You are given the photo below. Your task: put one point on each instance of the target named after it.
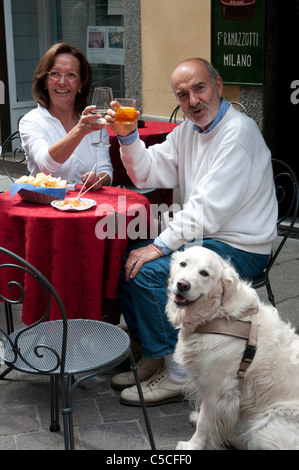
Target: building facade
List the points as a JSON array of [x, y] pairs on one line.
[[133, 46]]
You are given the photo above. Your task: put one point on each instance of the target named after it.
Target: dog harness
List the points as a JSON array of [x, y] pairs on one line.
[[240, 329]]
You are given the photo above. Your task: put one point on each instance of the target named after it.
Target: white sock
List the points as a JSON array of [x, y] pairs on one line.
[[175, 371]]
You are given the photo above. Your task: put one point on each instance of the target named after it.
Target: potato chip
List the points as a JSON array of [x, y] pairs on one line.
[[42, 180]]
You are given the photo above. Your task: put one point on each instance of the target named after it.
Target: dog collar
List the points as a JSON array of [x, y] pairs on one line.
[[240, 329]]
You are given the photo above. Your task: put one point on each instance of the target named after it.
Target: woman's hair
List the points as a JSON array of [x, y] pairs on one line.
[[39, 91]]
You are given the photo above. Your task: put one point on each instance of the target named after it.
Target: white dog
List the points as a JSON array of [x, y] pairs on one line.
[[259, 411]]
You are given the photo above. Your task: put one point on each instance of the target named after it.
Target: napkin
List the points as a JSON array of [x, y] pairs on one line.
[[57, 192]]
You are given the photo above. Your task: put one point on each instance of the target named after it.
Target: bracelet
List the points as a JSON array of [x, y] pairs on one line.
[[158, 249]]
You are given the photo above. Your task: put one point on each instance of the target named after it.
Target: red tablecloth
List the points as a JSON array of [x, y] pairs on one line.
[[153, 132], [67, 247]]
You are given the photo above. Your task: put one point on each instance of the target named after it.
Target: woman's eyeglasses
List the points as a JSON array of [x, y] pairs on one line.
[[70, 76]]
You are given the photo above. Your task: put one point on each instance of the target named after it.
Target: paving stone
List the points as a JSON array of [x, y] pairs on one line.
[[114, 436], [18, 420], [100, 421]]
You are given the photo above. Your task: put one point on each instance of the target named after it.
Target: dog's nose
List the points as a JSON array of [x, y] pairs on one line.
[[183, 285]]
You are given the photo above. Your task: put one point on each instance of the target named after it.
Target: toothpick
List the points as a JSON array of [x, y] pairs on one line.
[[86, 181], [100, 179]]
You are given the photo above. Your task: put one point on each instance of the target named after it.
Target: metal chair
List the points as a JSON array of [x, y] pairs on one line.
[[61, 348], [13, 155], [174, 114], [240, 107], [287, 193]]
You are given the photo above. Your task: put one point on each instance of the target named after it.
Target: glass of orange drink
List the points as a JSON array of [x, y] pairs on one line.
[[126, 113]]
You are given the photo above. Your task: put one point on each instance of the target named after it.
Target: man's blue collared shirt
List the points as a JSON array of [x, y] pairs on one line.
[[221, 113]]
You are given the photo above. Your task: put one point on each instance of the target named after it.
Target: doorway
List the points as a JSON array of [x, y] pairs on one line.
[[287, 88], [27, 33]]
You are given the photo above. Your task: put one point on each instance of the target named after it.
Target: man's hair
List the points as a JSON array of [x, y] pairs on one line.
[[211, 69]]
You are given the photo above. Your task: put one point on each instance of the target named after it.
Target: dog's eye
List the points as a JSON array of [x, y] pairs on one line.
[[183, 264], [204, 273]]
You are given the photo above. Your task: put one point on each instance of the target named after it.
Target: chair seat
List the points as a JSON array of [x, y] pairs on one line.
[[91, 345]]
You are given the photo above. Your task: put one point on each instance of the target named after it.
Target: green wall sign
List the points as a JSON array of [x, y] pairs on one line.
[[238, 40]]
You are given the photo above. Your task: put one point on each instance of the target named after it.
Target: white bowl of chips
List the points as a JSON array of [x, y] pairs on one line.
[[42, 189]]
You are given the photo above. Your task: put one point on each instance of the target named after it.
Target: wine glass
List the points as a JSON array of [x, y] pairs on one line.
[[102, 97]]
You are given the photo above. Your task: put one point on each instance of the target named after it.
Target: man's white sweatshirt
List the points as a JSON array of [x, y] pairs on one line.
[[225, 179]]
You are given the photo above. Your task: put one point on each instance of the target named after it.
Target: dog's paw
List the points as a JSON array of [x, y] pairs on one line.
[[193, 416], [187, 445]]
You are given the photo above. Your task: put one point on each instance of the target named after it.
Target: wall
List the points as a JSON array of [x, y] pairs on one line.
[[132, 49], [171, 31]]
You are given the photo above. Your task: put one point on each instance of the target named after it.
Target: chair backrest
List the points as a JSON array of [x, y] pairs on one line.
[[240, 107], [13, 156], [17, 282], [287, 193], [174, 114]]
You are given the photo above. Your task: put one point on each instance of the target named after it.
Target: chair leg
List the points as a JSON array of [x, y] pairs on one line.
[[9, 329], [67, 413], [9, 318], [7, 370], [71, 381], [54, 426], [144, 409], [270, 293]]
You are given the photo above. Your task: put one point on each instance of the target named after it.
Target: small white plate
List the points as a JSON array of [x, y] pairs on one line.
[[62, 205]]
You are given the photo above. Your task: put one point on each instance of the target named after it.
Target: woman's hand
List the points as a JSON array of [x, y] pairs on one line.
[[119, 128], [88, 122], [93, 178]]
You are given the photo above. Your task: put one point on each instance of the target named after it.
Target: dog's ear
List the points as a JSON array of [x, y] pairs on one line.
[[173, 261], [229, 281], [173, 258]]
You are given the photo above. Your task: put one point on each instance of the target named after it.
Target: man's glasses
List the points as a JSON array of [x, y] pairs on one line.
[[70, 76]]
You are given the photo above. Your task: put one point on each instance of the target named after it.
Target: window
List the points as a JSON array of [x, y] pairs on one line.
[[26, 45], [103, 20]]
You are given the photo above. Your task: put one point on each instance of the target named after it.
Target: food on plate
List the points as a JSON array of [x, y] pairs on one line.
[[73, 201], [42, 180]]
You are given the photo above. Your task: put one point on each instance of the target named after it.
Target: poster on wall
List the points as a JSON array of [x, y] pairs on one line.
[[115, 45], [238, 40], [105, 45], [96, 44]]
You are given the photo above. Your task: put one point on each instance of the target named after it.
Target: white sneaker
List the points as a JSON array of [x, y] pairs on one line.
[[122, 323], [159, 389], [147, 366]]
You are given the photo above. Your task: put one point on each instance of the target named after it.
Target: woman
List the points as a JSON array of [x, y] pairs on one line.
[[57, 135]]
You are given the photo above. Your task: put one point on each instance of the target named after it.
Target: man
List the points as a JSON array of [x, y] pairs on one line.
[[220, 162]]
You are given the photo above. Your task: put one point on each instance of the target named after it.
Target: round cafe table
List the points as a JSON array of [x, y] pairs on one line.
[[80, 253]]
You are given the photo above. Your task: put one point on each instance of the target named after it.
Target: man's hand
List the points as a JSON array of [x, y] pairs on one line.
[[119, 128], [138, 257]]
